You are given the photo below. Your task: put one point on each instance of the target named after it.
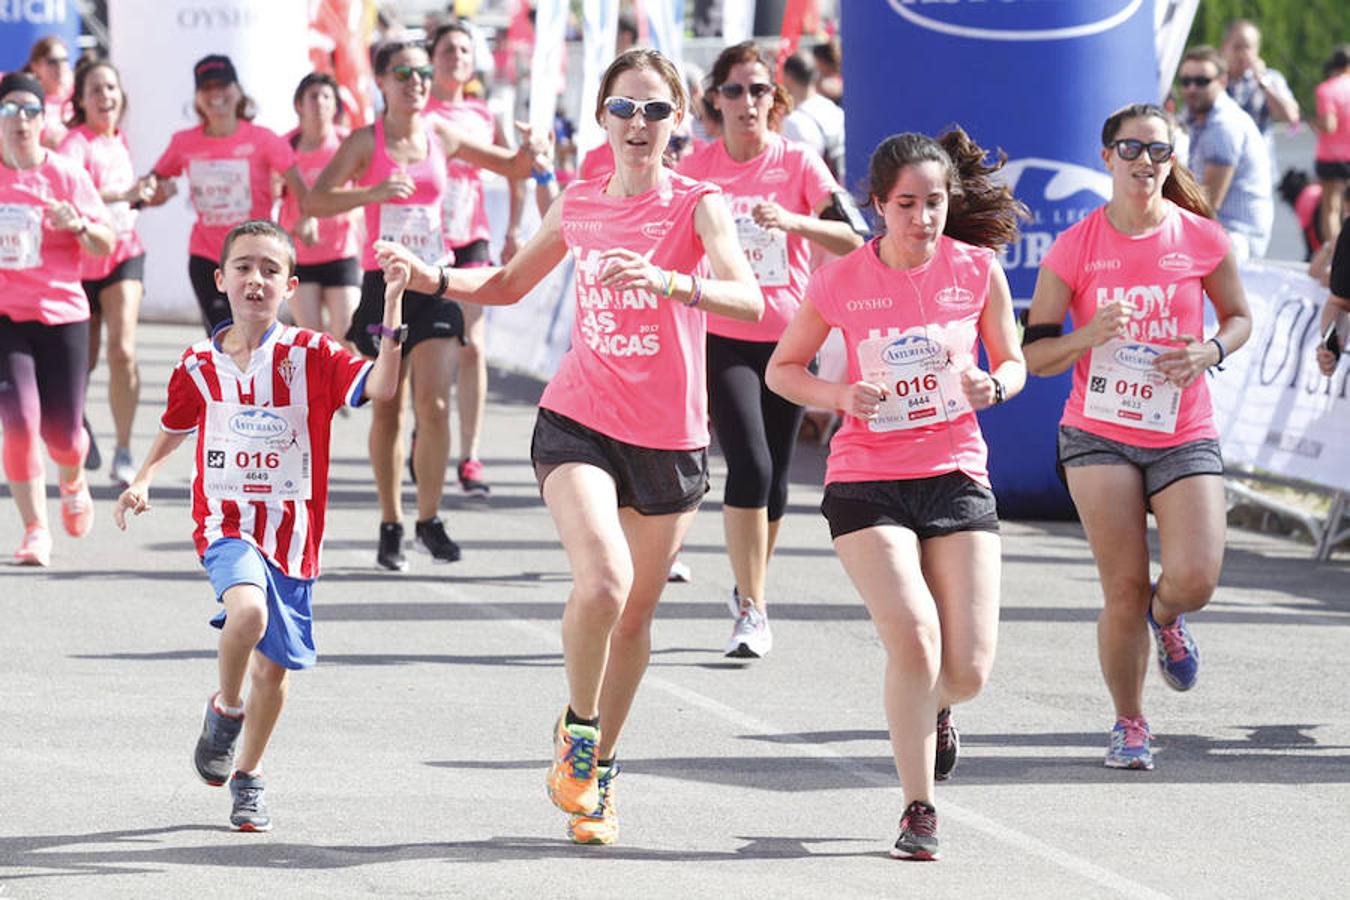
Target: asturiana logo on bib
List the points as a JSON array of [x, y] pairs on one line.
[[909, 350], [1176, 262], [953, 296], [1016, 20], [257, 424], [1139, 357]]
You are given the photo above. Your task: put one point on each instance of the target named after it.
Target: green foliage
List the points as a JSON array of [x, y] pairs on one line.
[[1297, 36]]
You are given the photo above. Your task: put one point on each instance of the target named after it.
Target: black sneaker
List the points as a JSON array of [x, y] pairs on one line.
[[214, 756], [918, 833], [390, 555], [93, 460], [948, 745], [250, 811], [431, 535]]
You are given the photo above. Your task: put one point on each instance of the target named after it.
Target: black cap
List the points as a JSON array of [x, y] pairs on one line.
[[22, 81], [214, 68]]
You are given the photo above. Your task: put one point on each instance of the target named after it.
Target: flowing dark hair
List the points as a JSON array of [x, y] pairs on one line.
[[1180, 187], [79, 115], [981, 209], [745, 52]]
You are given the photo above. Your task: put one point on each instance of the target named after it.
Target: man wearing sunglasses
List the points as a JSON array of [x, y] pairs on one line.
[[1228, 153]]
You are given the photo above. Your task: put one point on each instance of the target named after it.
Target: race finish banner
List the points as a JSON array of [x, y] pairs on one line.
[[1028, 77], [1274, 410]]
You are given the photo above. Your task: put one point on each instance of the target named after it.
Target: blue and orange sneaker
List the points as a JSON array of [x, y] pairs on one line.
[[1130, 744], [600, 825], [1178, 657], [572, 779]]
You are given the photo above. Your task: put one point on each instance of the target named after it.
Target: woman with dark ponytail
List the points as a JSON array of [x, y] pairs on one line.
[[1138, 433], [907, 489]]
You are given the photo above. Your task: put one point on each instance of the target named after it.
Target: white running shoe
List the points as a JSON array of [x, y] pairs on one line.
[[680, 573], [751, 637], [123, 470]]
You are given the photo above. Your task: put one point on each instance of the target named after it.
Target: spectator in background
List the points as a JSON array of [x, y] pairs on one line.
[[1333, 139], [49, 63], [627, 34], [831, 78], [1261, 91], [814, 120], [1228, 154], [1336, 307]]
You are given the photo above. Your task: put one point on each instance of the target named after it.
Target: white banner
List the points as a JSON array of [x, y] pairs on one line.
[[1273, 408], [1171, 27], [665, 25], [546, 65], [738, 21], [155, 45], [601, 28]]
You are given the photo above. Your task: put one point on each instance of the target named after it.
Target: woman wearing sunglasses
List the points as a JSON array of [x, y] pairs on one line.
[[49, 63], [397, 169], [50, 214], [1137, 434], [114, 283], [907, 493], [620, 445], [230, 165], [777, 191]]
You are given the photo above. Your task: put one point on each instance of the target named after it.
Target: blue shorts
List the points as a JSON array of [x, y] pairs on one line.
[[288, 640]]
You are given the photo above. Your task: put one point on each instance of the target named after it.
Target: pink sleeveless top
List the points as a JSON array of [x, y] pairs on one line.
[[337, 234], [636, 370], [463, 213], [414, 222]]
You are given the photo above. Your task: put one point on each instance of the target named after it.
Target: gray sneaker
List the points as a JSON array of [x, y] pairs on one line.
[[214, 756], [250, 810]]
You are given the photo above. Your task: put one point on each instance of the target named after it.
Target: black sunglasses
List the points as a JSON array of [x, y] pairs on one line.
[[731, 90], [1158, 151], [1196, 80], [626, 108], [403, 73]]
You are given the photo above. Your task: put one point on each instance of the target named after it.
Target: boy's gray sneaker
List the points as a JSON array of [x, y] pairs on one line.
[[214, 756], [250, 811]]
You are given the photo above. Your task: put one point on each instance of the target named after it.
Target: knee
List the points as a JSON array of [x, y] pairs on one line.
[[963, 681], [915, 651], [1190, 585], [246, 617], [1126, 594], [121, 354], [266, 675], [432, 407], [600, 597]]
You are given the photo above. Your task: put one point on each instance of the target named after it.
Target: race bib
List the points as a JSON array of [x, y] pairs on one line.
[[416, 227], [922, 386], [20, 236], [1125, 388], [221, 192], [256, 452], [457, 208], [766, 248]]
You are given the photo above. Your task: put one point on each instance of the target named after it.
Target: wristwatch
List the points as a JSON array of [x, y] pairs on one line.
[[381, 330], [1000, 392]]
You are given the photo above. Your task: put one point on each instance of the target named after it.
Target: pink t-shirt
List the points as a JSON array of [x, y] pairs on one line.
[[791, 175], [598, 162], [337, 234], [40, 266], [229, 179], [914, 330], [1160, 274], [1334, 95], [636, 370], [107, 159], [414, 222], [463, 212]]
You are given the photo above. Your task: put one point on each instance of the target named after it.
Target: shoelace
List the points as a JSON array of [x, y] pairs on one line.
[[944, 730], [471, 470], [249, 799], [603, 783], [1174, 641], [74, 500], [918, 820], [580, 756], [1134, 732]]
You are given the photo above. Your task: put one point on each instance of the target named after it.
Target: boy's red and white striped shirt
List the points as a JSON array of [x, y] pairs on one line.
[[293, 366]]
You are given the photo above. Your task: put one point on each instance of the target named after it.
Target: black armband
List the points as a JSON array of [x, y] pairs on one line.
[[1034, 333], [843, 209]]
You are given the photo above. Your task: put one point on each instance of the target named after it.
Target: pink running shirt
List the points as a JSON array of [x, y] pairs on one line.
[[229, 179], [598, 162], [637, 369], [463, 212], [107, 159], [1160, 274], [416, 221], [914, 330], [40, 266], [791, 175], [1334, 94], [337, 234]]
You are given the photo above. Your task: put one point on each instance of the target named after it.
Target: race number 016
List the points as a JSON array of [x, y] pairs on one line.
[[257, 460], [917, 385], [1134, 389]]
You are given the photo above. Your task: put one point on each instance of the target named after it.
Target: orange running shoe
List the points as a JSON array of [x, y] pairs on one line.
[[600, 825], [36, 549], [572, 782], [77, 508]]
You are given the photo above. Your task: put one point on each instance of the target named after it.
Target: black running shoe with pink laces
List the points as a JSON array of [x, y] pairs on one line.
[[918, 833]]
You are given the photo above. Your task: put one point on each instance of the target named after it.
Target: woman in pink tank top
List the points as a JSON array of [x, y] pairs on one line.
[[620, 445], [325, 249], [1137, 433], [114, 283], [906, 488], [397, 172]]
